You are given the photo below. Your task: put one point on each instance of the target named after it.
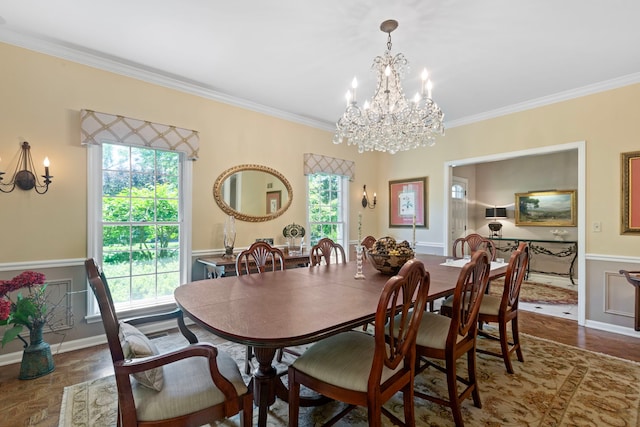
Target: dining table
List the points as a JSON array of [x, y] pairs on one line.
[[297, 306]]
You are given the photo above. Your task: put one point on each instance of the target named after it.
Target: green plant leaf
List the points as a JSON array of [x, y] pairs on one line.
[[11, 334]]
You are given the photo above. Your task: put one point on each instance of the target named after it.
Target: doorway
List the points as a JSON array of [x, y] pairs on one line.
[[581, 195]]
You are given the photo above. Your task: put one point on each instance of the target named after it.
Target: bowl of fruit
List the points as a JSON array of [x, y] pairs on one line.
[[388, 256]]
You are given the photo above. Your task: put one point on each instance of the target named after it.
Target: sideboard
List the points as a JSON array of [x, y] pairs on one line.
[[218, 266], [557, 257]]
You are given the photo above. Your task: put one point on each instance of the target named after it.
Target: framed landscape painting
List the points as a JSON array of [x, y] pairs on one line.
[[630, 202], [408, 203], [546, 208]]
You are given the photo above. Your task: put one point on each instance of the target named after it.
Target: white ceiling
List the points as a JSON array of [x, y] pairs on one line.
[[296, 59]]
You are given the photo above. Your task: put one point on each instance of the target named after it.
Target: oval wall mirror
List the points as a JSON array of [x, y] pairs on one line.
[[252, 193]]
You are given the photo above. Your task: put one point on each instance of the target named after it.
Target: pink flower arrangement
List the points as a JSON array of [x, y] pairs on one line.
[[29, 310]]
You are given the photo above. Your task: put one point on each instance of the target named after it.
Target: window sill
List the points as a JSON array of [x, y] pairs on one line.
[[134, 312]]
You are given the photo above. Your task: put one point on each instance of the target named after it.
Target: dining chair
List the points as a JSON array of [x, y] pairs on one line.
[[327, 251], [502, 309], [367, 370], [368, 242], [261, 257], [471, 243], [449, 338], [191, 386]]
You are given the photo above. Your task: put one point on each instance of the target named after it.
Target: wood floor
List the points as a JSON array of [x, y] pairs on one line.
[[37, 402]]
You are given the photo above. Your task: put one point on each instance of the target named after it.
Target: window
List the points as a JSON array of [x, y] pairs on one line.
[[138, 236], [327, 208]]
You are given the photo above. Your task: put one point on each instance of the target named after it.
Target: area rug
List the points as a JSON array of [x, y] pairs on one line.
[[540, 293], [557, 385]]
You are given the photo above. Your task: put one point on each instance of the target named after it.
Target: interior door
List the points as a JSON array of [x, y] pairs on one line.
[[459, 207]]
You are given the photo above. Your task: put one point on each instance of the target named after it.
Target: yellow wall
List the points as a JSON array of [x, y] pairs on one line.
[[42, 99]]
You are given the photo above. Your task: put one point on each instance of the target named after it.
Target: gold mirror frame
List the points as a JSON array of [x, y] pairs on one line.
[[217, 193]]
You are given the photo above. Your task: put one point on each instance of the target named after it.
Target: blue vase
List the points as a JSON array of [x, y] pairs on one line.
[[36, 358]]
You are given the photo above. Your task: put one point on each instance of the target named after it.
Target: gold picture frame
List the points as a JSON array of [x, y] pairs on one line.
[[630, 197], [556, 208]]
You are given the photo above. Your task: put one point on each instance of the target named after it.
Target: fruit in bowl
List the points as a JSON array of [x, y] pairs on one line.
[[388, 256]]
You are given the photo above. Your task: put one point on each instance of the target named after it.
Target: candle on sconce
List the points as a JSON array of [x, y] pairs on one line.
[[46, 166]]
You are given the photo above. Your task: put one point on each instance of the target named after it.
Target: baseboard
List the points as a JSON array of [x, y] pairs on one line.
[[622, 330]]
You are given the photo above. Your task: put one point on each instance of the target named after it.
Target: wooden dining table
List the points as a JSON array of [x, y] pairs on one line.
[[293, 307]]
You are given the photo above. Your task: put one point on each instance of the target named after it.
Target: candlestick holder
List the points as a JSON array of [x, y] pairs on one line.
[[359, 275]]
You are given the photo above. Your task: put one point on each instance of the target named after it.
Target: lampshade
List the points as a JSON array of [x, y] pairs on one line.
[[495, 213]]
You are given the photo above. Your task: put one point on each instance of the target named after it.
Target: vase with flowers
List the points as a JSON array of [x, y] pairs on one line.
[[31, 311]]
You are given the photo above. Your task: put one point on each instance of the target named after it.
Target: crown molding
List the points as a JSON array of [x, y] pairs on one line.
[[137, 71], [548, 100]]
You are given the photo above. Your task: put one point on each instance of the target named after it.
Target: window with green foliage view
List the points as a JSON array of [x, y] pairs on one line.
[[326, 214], [140, 223]]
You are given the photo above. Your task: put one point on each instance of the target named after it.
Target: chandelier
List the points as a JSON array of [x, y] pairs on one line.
[[390, 122]]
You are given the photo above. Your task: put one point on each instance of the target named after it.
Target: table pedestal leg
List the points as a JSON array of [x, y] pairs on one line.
[[265, 378]]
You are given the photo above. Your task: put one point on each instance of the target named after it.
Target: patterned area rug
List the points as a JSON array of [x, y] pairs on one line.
[[536, 292], [557, 385]]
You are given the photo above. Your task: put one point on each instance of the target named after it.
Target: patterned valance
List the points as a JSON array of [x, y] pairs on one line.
[[316, 163], [97, 128]]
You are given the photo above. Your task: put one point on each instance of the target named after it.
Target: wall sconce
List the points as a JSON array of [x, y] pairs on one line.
[[365, 199], [25, 178], [495, 226]]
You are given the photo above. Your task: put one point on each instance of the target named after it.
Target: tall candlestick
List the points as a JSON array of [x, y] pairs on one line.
[[414, 232], [359, 228]]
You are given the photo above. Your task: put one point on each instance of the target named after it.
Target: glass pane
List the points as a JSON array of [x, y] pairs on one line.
[[115, 183], [116, 209], [143, 287], [116, 238], [143, 238], [144, 184], [167, 163], [143, 210], [144, 262], [167, 210], [167, 283], [115, 157], [167, 187], [120, 289], [169, 260], [143, 159], [168, 237]]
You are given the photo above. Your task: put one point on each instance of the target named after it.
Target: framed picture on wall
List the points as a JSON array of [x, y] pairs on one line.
[[630, 203], [408, 203], [274, 200], [546, 208]]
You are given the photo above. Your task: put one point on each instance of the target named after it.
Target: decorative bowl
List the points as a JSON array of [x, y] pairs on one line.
[[388, 264]]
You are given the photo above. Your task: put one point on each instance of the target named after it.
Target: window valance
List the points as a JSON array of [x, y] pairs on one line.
[[317, 163], [97, 128]]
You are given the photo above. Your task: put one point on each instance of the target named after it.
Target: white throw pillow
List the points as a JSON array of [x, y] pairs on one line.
[[135, 344]]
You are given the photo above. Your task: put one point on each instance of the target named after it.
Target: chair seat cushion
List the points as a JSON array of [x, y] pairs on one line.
[[433, 331], [188, 387], [135, 344], [343, 360], [490, 304]]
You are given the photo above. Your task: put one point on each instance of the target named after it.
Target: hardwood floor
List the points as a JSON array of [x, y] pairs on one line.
[[37, 402]]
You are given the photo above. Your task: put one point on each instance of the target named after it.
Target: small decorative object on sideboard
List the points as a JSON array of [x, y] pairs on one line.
[[294, 233], [30, 310], [559, 234], [229, 236], [388, 256]]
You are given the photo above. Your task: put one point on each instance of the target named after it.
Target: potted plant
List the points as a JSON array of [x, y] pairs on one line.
[[31, 311]]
